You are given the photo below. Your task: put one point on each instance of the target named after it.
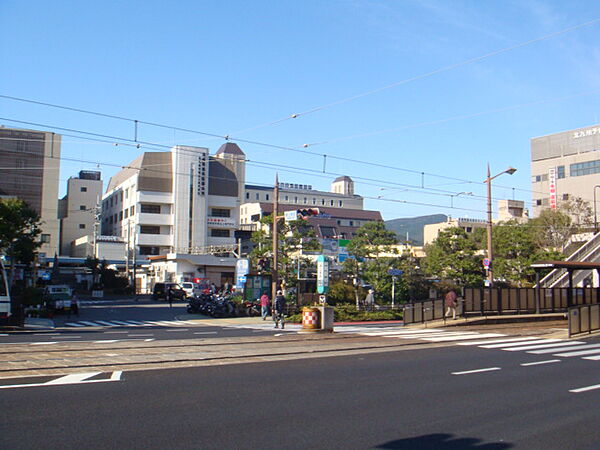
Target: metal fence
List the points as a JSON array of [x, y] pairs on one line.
[[497, 301], [584, 319]]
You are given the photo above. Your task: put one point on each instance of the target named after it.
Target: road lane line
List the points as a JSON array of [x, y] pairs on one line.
[[116, 376], [496, 341], [139, 335], [119, 322], [91, 324], [106, 341], [537, 363], [209, 332], [116, 332], [74, 324], [555, 345], [134, 322], [489, 369], [575, 347], [149, 340], [179, 329], [40, 334], [67, 337], [584, 389], [517, 344], [43, 343]]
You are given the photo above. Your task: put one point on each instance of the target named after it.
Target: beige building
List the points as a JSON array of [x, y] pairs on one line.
[[341, 195], [77, 210], [563, 166], [31, 164]]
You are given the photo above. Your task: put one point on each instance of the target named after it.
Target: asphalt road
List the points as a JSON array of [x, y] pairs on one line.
[[155, 320], [418, 399]]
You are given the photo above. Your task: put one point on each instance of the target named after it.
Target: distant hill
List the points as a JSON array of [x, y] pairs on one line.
[[413, 226]]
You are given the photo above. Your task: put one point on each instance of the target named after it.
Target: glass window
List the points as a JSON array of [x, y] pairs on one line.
[[149, 229], [81, 226], [83, 189], [257, 196], [82, 207], [45, 238], [585, 168], [560, 172], [220, 212], [267, 197], [149, 209], [131, 210], [247, 195], [216, 232], [125, 213], [120, 215]]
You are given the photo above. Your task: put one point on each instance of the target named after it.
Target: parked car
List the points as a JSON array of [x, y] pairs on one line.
[[191, 289], [159, 292], [57, 297]]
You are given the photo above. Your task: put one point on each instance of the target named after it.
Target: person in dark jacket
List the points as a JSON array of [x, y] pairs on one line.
[[278, 310]]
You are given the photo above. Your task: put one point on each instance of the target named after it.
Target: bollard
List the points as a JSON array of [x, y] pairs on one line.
[[311, 319]]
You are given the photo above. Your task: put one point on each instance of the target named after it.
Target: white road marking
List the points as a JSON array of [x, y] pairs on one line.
[[584, 389], [41, 334], [148, 340], [67, 337], [179, 329], [537, 363], [43, 343], [517, 344], [578, 353], [463, 337], [489, 369], [556, 345], [134, 322], [118, 322], [116, 332], [105, 341], [496, 341], [103, 322], [74, 324], [91, 324], [209, 332], [75, 378], [139, 335], [575, 347], [279, 334]]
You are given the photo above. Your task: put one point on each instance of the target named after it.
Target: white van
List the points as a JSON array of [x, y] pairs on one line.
[[5, 304], [58, 296]]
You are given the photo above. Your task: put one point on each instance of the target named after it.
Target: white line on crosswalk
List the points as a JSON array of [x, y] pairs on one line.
[[584, 389], [106, 341], [495, 341], [134, 322], [42, 343], [106, 323], [578, 353], [91, 324], [463, 337], [556, 345], [564, 349], [74, 324], [516, 344]]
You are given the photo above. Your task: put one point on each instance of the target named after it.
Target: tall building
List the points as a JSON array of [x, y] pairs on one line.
[[31, 163], [78, 208], [565, 165], [176, 203]]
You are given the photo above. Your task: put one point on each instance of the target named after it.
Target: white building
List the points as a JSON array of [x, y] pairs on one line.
[[180, 202], [78, 208]]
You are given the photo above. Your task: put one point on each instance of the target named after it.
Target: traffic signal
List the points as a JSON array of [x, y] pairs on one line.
[[307, 212]]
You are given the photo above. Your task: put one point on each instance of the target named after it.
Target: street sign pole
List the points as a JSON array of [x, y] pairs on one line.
[[322, 275], [393, 291]]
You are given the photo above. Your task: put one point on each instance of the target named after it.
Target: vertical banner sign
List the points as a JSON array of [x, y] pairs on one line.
[[552, 187], [242, 268], [322, 274]]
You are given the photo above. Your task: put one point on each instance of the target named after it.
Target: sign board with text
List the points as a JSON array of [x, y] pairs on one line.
[[322, 274]]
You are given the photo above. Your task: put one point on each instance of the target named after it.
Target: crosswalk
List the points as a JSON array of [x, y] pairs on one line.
[[534, 345], [129, 323]]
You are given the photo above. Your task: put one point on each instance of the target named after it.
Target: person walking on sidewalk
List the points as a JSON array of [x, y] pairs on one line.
[[279, 308], [451, 304], [264, 305]]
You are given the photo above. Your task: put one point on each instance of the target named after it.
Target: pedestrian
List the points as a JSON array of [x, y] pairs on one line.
[[170, 296], [279, 309], [264, 305], [450, 301], [74, 304], [370, 300]]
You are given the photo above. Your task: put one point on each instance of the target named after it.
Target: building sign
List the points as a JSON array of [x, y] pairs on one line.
[[220, 222], [552, 187], [588, 132], [242, 268]]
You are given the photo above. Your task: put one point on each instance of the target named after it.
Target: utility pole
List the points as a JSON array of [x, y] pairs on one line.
[[275, 239], [134, 259]]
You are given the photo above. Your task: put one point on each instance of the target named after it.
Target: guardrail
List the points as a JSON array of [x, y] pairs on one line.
[[584, 319], [423, 311]]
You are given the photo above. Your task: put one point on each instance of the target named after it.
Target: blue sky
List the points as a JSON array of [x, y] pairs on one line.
[[233, 68]]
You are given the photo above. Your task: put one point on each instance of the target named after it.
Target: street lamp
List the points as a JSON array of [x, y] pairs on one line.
[[595, 215], [488, 180], [456, 195]]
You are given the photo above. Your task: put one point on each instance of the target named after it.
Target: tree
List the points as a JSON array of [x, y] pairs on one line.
[[19, 232], [453, 256], [366, 247], [294, 236]]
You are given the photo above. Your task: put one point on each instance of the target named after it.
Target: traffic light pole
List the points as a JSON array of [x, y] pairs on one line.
[[274, 274]]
